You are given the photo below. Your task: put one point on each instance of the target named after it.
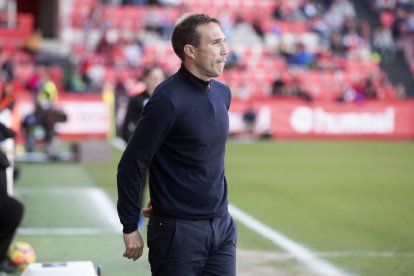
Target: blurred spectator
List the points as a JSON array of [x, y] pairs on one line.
[[152, 76], [95, 76], [121, 103], [319, 26], [399, 25], [95, 20], [105, 45], [132, 52], [294, 89], [410, 23], [233, 60], [249, 120], [358, 92], [336, 44], [384, 43], [73, 81], [35, 81], [301, 57], [243, 32], [354, 44], [370, 91], [47, 95], [338, 12], [387, 17], [40, 127], [278, 86], [257, 26], [33, 42], [7, 68], [154, 22], [400, 92], [7, 97], [310, 8]]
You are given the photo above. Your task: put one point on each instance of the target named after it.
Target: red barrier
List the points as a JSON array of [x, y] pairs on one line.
[[294, 119], [89, 116]]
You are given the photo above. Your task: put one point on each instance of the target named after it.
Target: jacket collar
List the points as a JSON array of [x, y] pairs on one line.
[[199, 84]]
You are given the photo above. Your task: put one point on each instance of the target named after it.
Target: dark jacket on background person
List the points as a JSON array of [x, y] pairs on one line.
[[133, 114], [4, 163], [11, 213], [181, 135]]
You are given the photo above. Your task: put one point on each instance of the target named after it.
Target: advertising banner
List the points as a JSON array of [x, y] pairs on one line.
[[295, 119]]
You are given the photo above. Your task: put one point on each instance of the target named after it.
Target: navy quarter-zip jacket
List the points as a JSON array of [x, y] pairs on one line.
[[181, 137]]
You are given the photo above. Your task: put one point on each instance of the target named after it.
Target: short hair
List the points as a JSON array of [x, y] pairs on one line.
[[185, 31], [148, 70]]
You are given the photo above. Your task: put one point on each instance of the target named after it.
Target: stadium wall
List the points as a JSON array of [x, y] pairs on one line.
[[295, 119], [89, 116]]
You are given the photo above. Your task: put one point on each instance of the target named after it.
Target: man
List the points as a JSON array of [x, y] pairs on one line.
[[11, 210], [181, 138], [152, 76]]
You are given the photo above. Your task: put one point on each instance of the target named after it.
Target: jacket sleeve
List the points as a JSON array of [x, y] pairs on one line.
[[156, 121]]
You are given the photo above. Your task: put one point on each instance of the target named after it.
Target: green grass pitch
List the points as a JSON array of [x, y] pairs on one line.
[[351, 203]]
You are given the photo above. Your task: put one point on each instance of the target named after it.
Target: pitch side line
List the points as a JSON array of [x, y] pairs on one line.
[[365, 254], [96, 196], [65, 231], [303, 254]]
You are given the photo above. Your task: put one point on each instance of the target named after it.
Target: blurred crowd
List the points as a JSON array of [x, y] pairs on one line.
[[311, 49]]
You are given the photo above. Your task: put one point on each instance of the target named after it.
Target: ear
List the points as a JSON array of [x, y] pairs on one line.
[[189, 51]]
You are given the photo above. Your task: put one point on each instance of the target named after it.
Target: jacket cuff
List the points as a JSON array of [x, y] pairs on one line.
[[129, 228]]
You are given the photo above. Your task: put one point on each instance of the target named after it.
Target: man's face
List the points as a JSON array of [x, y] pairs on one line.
[[210, 56]]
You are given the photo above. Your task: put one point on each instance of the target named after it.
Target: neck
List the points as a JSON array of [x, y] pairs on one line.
[[193, 70]]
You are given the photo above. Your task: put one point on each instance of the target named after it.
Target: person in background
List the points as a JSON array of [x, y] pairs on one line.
[[181, 138], [11, 210], [152, 76]]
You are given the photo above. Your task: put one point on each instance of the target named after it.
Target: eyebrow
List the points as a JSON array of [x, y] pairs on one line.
[[218, 39]]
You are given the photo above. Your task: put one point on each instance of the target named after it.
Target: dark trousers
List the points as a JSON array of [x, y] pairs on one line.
[[11, 212], [180, 247]]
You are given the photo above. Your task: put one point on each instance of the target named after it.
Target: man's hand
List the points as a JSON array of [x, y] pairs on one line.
[[134, 245], [146, 212]]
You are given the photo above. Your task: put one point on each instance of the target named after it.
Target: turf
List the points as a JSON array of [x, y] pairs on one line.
[[332, 197]]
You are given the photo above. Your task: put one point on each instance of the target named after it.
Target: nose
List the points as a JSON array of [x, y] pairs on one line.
[[224, 49]]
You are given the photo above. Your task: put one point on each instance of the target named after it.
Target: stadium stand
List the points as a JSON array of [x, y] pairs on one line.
[[321, 48], [278, 26]]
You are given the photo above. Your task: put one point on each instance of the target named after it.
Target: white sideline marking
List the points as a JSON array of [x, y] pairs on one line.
[[64, 231], [102, 200], [96, 196], [369, 254], [300, 252]]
